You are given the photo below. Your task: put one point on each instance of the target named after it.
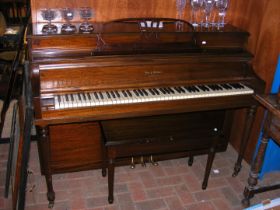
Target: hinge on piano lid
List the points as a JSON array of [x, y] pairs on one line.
[[100, 43]]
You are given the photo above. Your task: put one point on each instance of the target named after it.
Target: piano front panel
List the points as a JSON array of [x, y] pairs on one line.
[[102, 74], [75, 147]]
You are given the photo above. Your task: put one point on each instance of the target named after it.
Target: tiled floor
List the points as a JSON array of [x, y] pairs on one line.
[[172, 185]]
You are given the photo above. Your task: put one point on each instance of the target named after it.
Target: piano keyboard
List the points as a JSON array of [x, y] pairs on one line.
[[112, 97]]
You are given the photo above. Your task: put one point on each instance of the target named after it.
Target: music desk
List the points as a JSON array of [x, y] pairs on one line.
[[271, 130]]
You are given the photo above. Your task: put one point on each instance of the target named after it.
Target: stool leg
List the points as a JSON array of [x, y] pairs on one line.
[[255, 169], [111, 170]]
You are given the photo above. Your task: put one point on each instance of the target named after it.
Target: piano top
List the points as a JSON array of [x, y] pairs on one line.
[[136, 25], [134, 36]]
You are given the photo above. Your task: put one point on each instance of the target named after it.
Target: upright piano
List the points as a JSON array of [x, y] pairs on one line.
[[87, 85]]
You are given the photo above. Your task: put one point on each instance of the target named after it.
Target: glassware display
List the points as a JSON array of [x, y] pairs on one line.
[[68, 15], [195, 5], [207, 8], [180, 5], [222, 6], [49, 15], [86, 14]]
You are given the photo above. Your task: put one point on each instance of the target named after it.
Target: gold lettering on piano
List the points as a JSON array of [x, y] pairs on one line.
[[152, 73]]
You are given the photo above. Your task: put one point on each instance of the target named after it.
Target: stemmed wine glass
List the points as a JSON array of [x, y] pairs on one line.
[[86, 14], [222, 6], [207, 7], [49, 15], [196, 5], [180, 5], [68, 14]]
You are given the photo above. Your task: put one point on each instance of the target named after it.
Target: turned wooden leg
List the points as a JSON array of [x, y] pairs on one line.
[[245, 138], [50, 193], [44, 155], [255, 169], [111, 169], [210, 160], [190, 161]]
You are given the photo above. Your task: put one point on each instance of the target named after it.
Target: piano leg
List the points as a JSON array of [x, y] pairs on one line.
[[44, 154], [210, 159], [190, 162], [245, 138], [111, 170]]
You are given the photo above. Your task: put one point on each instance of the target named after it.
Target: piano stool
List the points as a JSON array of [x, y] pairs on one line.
[[150, 139], [271, 130]]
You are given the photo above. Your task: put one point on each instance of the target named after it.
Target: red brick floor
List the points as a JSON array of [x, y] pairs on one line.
[[172, 185]]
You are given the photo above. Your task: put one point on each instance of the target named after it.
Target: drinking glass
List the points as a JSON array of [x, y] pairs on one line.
[[68, 15], [86, 14], [222, 6], [49, 15], [180, 5], [207, 8], [196, 5]]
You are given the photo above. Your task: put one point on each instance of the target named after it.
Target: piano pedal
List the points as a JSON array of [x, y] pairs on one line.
[[143, 164], [132, 164], [154, 163]]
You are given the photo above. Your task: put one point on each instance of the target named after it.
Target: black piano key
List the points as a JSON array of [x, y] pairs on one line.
[[67, 98], [236, 85], [79, 97], [112, 94], [196, 89], [189, 88], [96, 95], [182, 89], [166, 90], [203, 87], [129, 93], [89, 97], [83, 96], [72, 97], [108, 94], [140, 92], [101, 95], [156, 91], [124, 93], [145, 92], [151, 91], [214, 87], [136, 93], [178, 90], [59, 98], [117, 94], [171, 90], [162, 90], [226, 86]]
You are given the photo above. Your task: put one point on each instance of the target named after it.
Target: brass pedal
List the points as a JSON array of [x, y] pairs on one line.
[[132, 164], [154, 163], [143, 164]]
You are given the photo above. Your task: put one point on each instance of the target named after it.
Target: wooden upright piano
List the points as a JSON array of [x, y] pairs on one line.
[[136, 70]]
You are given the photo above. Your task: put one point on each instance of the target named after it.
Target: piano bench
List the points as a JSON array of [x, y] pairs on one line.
[[149, 139]]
